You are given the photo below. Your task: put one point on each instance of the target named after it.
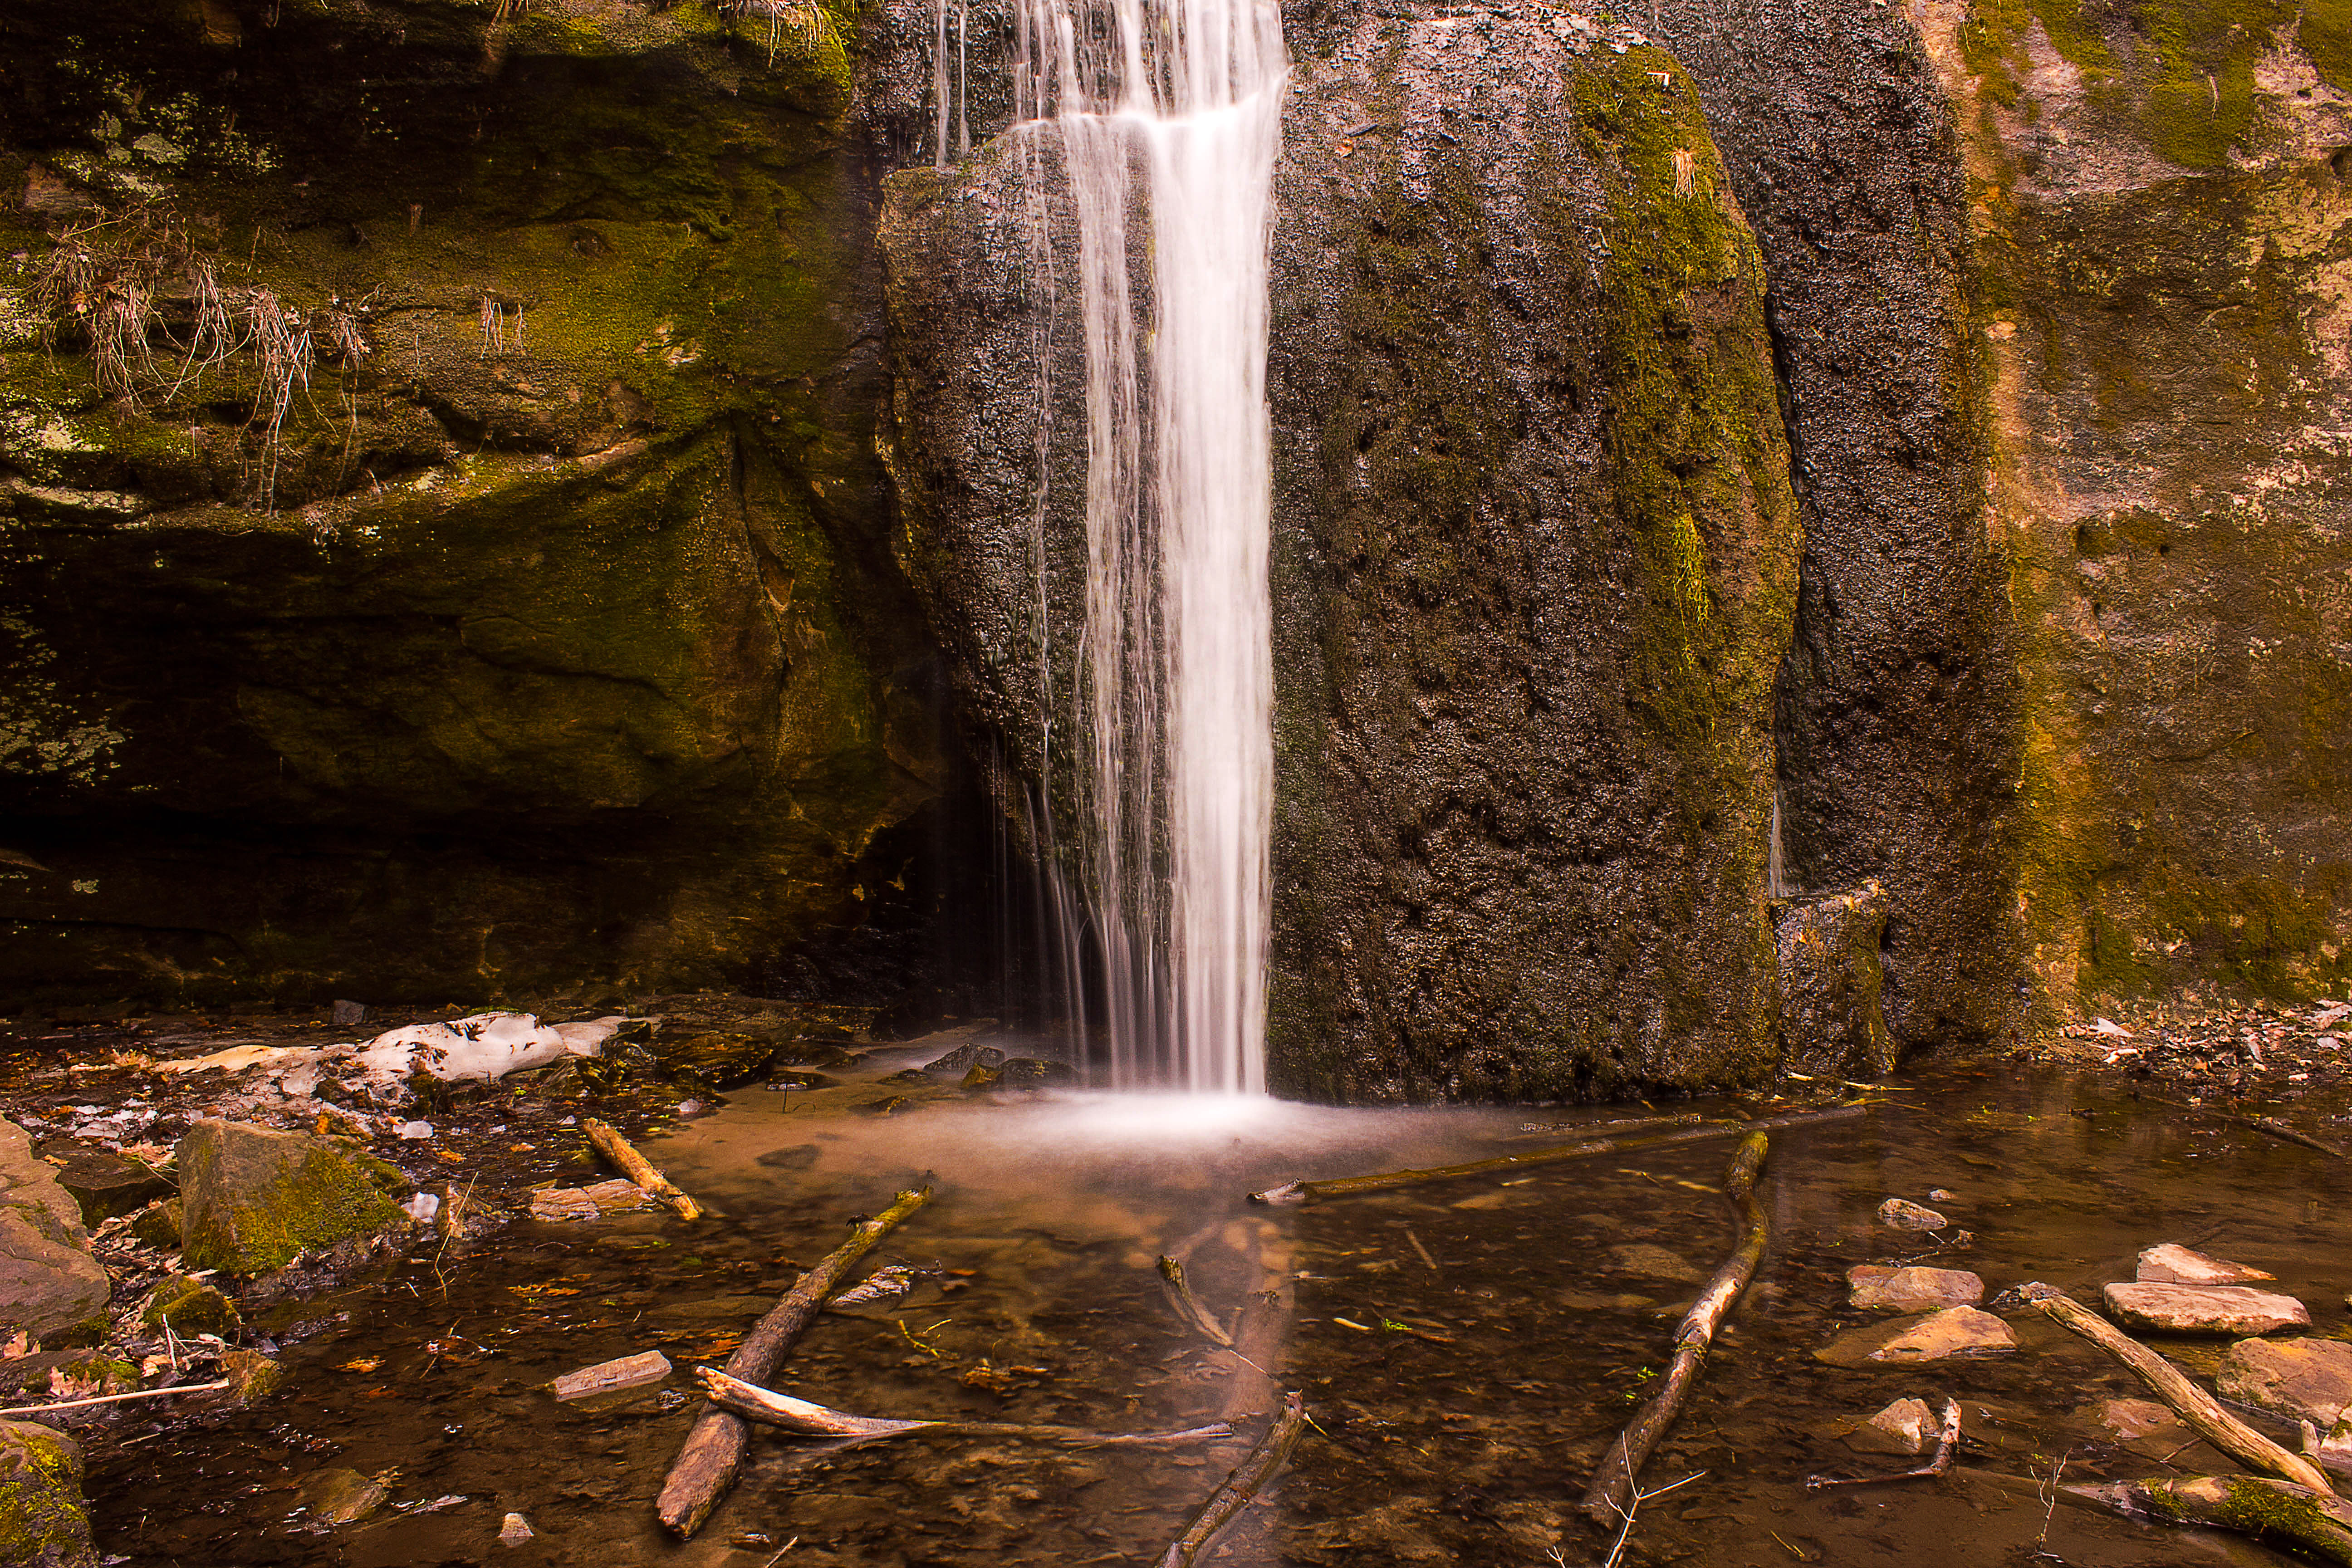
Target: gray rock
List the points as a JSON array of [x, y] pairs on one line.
[[1899, 1214], [43, 1520], [2172, 1264], [2310, 1380], [1831, 1023], [1902, 1427], [103, 1183], [2204, 1309], [49, 1281], [347, 1014], [253, 1199], [971, 1054], [1878, 1289], [1954, 1332]]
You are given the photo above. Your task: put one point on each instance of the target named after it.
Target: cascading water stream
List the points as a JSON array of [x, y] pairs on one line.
[[1176, 766]]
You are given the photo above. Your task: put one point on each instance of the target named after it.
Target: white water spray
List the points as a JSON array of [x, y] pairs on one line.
[[1176, 767]]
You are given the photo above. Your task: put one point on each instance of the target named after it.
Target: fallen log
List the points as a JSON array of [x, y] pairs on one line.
[[1188, 1306], [1612, 1486], [637, 1168], [708, 1461], [2195, 1407], [804, 1419], [1241, 1487], [1947, 1440], [2277, 1511], [1347, 1186]]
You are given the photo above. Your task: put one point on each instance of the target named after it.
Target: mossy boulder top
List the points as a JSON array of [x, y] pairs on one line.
[[254, 1199], [42, 1520]]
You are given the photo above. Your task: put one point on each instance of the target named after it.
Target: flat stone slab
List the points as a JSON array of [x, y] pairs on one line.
[[1883, 1290], [2130, 1421], [1900, 1214], [587, 1203], [2172, 1264], [1956, 1332], [2310, 1380], [1653, 1262], [613, 1376], [1901, 1428], [2204, 1309]]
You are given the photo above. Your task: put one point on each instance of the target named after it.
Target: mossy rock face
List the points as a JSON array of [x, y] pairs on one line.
[[555, 636], [254, 1199], [2161, 231], [43, 1520], [1535, 554], [51, 1285]]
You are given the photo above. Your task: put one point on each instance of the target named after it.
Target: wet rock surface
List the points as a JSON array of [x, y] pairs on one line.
[[1954, 1332], [1902, 1427], [1911, 1290], [2308, 1379], [2171, 1263], [1832, 1021], [2204, 1309], [48, 1280]]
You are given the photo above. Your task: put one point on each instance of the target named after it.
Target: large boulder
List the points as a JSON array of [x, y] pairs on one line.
[[254, 1198], [1832, 1021], [43, 1521], [49, 1281], [1533, 564]]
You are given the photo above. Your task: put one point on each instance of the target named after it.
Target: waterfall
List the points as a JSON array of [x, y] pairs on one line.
[[1776, 870], [1176, 763]]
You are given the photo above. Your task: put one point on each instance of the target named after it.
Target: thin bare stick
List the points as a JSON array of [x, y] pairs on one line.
[[804, 1419], [2190, 1402], [118, 1398], [712, 1454], [1947, 1441], [1242, 1486], [1617, 1547], [1417, 1246], [637, 1168], [1347, 1187], [1188, 1306], [1612, 1483], [2270, 1125]]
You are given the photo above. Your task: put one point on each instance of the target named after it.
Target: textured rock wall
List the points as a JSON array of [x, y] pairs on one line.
[[1535, 553], [2163, 225], [564, 643]]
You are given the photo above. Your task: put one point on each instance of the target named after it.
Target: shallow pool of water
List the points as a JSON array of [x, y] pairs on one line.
[[1467, 1350]]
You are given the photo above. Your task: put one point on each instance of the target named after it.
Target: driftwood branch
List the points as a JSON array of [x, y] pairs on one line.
[[2192, 1404], [1947, 1441], [1188, 1306], [1346, 1187], [1613, 1485], [37, 1410], [799, 1417], [637, 1168], [2318, 1523], [1242, 1486], [707, 1463]]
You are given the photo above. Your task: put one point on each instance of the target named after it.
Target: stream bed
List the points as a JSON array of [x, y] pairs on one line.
[[1467, 1350]]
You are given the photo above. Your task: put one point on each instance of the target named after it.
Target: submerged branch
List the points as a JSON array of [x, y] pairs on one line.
[[801, 1417], [2195, 1407], [1346, 1187], [1947, 1441], [637, 1168], [1242, 1486], [1188, 1306], [1613, 1487], [2269, 1124], [707, 1463]]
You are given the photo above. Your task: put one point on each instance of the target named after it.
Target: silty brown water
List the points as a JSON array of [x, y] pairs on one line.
[[1467, 1350]]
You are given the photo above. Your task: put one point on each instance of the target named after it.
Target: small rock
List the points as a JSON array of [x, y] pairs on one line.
[[1901, 1428], [2172, 1264], [422, 1208], [2335, 1450], [515, 1529], [1896, 1214], [1938, 1195], [340, 1496], [106, 1185], [2310, 1380], [561, 1204], [191, 1306], [413, 1130], [347, 1014], [616, 1194], [1912, 1289], [2204, 1309], [158, 1224], [1657, 1263], [252, 1377], [43, 1520], [962, 1060], [1956, 1332], [613, 1376], [2130, 1420], [1029, 1072]]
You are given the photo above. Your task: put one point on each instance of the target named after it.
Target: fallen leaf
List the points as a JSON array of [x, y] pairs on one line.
[[360, 1363]]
